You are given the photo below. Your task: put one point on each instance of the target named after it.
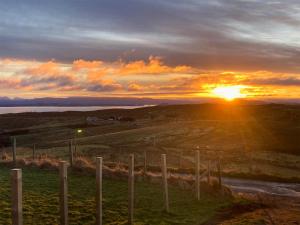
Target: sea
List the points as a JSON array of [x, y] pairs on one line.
[[23, 109]]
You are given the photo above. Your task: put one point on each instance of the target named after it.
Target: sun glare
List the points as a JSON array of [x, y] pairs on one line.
[[229, 93]]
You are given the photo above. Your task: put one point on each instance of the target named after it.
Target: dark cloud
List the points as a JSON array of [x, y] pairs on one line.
[[215, 34], [59, 81], [275, 82], [102, 87]]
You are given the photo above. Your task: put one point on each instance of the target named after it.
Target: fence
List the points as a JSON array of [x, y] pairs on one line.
[[69, 152], [176, 160], [16, 186]]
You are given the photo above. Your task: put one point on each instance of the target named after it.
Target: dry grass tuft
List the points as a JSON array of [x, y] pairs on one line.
[[48, 164], [82, 164], [5, 156]]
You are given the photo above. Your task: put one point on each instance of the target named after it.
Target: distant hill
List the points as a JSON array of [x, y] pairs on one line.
[[115, 101], [89, 101]]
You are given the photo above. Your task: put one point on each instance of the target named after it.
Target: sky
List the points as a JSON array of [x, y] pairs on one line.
[[150, 48]]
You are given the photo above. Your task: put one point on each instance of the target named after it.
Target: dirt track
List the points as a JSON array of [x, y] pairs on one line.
[[280, 202], [263, 187]]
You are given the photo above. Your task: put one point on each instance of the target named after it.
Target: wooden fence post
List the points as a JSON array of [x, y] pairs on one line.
[[131, 188], [63, 177], [99, 165], [165, 181], [219, 173], [75, 147], [145, 162], [197, 174], [16, 181], [14, 149], [33, 152], [71, 153], [208, 172]]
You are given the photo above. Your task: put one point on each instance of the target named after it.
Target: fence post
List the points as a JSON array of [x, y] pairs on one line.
[[145, 162], [14, 149], [63, 177], [165, 181], [208, 172], [99, 165], [75, 147], [71, 153], [131, 188], [33, 152], [16, 180], [219, 173], [197, 175]]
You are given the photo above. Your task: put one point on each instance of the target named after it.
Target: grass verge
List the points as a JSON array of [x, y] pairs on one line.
[[40, 194]]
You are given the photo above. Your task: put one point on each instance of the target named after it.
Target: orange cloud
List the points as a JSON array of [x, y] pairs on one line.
[[12, 83], [134, 87], [81, 64], [153, 66], [95, 75], [91, 77], [47, 68]]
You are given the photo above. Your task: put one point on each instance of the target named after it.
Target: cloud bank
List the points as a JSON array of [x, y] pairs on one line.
[[240, 35], [152, 77]]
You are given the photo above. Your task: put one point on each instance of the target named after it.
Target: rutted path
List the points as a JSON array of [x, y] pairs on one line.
[[281, 200], [280, 203], [248, 186], [263, 187]]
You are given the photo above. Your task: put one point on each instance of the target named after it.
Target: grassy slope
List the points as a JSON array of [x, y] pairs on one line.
[[266, 127], [253, 139], [41, 201]]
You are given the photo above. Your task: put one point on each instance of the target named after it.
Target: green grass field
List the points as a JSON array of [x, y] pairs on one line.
[[250, 139], [40, 195]]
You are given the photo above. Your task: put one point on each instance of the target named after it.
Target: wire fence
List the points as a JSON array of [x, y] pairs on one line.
[[145, 163]]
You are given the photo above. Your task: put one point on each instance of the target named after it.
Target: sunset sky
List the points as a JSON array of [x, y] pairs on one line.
[[150, 48]]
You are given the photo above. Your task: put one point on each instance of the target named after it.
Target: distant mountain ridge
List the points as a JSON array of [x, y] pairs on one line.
[[114, 101], [88, 101]]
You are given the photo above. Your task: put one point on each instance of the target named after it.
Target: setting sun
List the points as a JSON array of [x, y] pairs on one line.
[[229, 92]]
